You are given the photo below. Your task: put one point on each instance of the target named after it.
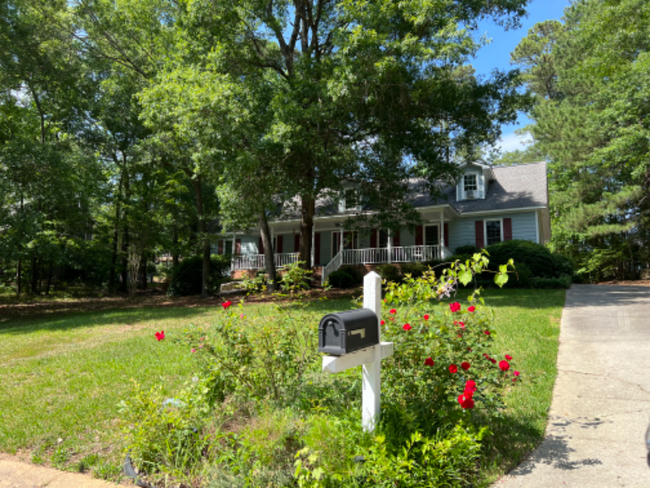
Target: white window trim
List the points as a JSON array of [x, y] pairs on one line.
[[424, 233], [485, 237], [476, 182]]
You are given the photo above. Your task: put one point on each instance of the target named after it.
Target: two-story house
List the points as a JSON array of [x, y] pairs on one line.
[[486, 206]]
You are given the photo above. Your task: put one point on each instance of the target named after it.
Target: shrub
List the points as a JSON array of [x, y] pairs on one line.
[[295, 278], [341, 279], [354, 272], [539, 260], [256, 284], [467, 249], [186, 279], [389, 272], [416, 270]]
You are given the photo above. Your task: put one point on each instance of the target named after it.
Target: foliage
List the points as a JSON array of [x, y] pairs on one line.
[[414, 269], [589, 79], [257, 284], [564, 281], [341, 279], [295, 278], [537, 258], [389, 272], [166, 435], [186, 279], [355, 272], [467, 249]]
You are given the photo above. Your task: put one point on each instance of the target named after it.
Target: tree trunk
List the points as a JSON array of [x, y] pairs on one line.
[[269, 259], [175, 249], [34, 275], [49, 277], [125, 237], [307, 210], [19, 272], [116, 233], [205, 271], [143, 267]]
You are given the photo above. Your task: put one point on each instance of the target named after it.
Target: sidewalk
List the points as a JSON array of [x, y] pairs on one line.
[[601, 399], [17, 474]]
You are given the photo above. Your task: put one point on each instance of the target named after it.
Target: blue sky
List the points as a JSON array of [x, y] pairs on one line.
[[497, 53]]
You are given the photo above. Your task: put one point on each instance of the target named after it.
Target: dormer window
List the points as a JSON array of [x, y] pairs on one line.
[[469, 183], [350, 200]]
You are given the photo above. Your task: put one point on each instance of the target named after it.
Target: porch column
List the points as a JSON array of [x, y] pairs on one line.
[[390, 247], [272, 236], [340, 239], [234, 234], [313, 244], [442, 234]]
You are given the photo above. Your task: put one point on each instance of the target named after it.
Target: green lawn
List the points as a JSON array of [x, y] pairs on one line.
[[63, 375]]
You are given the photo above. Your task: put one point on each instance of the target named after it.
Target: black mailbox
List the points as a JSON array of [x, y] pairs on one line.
[[344, 332]]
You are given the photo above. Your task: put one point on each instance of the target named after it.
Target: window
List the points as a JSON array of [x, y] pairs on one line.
[[470, 183], [350, 200], [431, 235], [228, 247], [493, 231]]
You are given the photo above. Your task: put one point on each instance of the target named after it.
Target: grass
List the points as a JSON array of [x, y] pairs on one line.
[[63, 375]]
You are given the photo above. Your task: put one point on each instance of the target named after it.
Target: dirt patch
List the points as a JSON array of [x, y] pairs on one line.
[[44, 307], [627, 283]]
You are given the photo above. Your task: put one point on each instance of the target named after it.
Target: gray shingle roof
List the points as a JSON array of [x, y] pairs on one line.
[[516, 186]]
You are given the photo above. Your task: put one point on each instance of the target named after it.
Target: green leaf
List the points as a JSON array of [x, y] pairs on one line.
[[465, 276], [500, 279]]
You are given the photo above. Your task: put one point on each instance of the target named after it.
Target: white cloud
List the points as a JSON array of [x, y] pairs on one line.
[[512, 141]]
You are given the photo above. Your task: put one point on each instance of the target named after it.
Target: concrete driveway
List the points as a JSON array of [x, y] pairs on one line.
[[601, 399]]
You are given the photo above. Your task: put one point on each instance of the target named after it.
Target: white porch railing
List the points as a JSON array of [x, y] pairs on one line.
[[257, 261], [401, 254]]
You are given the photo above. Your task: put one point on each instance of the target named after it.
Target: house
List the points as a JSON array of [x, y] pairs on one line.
[[486, 206]]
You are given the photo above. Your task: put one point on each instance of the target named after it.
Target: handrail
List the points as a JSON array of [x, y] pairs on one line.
[[257, 261], [332, 266]]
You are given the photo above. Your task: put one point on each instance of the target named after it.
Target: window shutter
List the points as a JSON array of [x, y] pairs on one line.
[[220, 247], [373, 238], [396, 239], [296, 242], [237, 246], [507, 229], [418, 236], [278, 244], [447, 234], [260, 246], [317, 249], [480, 241]]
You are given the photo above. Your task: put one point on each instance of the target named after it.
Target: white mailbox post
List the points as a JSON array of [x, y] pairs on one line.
[[370, 357]]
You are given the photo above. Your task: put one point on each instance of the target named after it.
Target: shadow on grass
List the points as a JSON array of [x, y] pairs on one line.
[[66, 320]]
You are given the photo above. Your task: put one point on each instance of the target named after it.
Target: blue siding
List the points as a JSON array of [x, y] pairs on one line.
[[462, 230], [248, 244]]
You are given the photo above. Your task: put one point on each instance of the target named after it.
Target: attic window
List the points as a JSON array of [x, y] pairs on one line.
[[470, 183]]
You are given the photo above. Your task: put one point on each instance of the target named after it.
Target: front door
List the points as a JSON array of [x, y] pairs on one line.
[[432, 235], [350, 241]]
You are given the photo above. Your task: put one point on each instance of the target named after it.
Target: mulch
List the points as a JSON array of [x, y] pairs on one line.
[[626, 282], [33, 309]]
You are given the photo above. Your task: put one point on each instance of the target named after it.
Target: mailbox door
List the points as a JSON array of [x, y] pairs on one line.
[[332, 338]]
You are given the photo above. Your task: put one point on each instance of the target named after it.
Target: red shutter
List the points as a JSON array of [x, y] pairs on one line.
[[418, 236], [238, 246], [373, 238], [220, 247], [260, 246], [446, 234], [278, 244], [317, 250], [478, 226], [507, 229], [396, 239], [296, 242]]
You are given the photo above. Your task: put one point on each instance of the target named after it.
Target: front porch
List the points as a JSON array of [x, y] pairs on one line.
[[385, 255]]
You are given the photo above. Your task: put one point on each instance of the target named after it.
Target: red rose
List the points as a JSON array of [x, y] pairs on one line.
[[460, 323], [454, 307], [470, 387], [471, 309], [504, 365], [426, 316], [429, 362], [193, 350], [383, 322], [508, 357], [453, 369], [227, 304], [493, 361], [486, 332], [466, 401], [393, 311], [407, 327], [516, 373], [465, 365], [160, 335], [469, 349]]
